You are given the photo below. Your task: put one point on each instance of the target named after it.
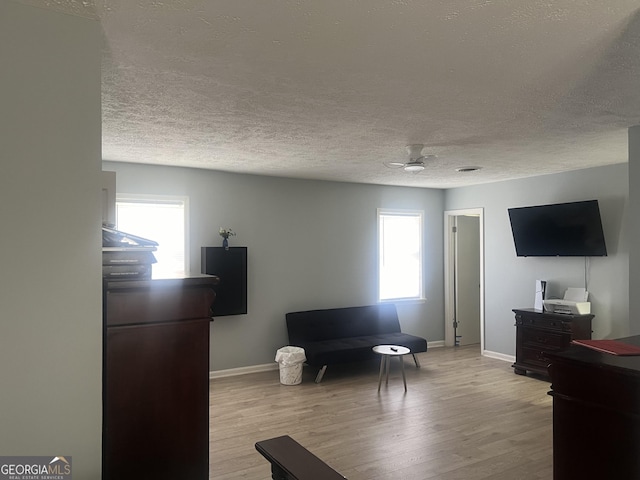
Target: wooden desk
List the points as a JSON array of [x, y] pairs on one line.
[[596, 414]]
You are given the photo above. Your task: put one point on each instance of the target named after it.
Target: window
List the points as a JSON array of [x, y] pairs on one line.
[[158, 218], [399, 254]]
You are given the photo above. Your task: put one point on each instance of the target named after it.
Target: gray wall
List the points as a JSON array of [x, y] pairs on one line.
[[50, 288], [510, 280], [311, 244], [634, 228]]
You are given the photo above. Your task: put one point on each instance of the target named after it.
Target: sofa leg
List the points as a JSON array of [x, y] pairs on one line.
[[415, 359], [321, 374]]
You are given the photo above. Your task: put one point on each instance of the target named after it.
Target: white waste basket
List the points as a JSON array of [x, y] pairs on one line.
[[290, 360]]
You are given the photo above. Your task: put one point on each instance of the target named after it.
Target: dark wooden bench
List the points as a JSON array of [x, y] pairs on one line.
[[291, 461]]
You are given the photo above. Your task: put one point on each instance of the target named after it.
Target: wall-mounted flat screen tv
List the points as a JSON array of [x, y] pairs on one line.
[[560, 230]]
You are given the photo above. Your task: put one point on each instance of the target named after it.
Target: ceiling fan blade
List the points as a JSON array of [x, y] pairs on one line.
[[415, 151], [394, 164]]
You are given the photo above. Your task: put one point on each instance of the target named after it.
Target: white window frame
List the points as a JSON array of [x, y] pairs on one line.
[[159, 199], [387, 212]]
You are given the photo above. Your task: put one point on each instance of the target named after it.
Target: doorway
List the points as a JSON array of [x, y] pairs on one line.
[[464, 277]]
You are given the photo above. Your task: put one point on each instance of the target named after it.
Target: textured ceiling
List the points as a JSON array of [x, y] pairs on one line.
[[332, 89]]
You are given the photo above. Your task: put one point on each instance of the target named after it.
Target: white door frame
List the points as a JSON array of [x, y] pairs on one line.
[[449, 278]]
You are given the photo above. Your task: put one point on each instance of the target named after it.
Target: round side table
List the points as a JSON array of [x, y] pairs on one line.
[[386, 352]]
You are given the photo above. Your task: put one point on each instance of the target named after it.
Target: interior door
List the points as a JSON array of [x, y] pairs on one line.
[[467, 277]]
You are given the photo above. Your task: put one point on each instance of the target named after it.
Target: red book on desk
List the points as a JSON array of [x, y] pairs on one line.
[[613, 347]]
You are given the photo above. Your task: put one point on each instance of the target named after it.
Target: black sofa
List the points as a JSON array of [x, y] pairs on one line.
[[342, 335]]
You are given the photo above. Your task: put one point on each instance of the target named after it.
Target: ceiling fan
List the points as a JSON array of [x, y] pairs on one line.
[[416, 159]]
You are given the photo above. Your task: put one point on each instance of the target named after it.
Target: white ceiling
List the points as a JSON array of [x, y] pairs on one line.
[[332, 89]]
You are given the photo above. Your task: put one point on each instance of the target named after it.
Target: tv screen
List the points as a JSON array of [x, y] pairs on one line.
[[561, 230]]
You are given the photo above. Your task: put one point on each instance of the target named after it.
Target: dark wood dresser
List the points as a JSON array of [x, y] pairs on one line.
[[540, 332], [596, 414], [156, 378]]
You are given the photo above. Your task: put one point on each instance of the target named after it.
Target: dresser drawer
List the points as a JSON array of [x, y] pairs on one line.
[[543, 338], [541, 321], [157, 301], [539, 333], [532, 356]]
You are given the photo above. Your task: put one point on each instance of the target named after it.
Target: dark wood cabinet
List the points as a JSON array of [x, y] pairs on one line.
[[230, 266], [596, 414], [538, 333], [156, 379]]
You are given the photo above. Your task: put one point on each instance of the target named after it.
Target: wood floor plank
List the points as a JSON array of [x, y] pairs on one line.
[[463, 416]]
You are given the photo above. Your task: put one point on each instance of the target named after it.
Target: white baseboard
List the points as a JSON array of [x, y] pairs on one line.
[[499, 356], [231, 372]]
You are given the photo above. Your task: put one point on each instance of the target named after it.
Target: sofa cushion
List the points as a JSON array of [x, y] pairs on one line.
[[355, 349]]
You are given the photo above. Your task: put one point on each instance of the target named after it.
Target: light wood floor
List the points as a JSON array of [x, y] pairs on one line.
[[464, 417]]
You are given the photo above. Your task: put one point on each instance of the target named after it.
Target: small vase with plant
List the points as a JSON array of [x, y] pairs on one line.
[[225, 233]]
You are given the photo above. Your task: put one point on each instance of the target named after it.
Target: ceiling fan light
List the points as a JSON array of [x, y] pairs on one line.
[[413, 167]]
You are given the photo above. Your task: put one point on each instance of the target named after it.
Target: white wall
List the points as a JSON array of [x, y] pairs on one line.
[[50, 288], [311, 244], [510, 280]]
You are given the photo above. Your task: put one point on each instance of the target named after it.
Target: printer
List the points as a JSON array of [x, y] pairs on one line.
[[573, 303]]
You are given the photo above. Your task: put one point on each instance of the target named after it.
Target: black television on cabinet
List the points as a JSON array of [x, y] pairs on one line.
[[230, 266], [571, 229]]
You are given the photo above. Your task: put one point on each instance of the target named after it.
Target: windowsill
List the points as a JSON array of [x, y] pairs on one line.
[[404, 300]]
